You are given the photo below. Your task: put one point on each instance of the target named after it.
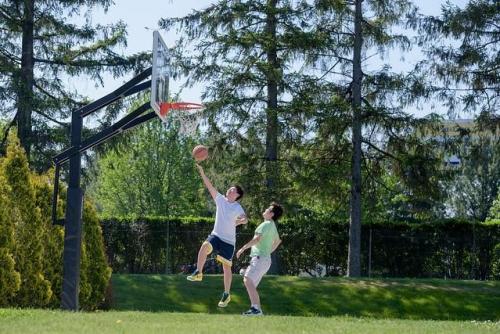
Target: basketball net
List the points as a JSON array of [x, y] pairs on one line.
[[186, 114]]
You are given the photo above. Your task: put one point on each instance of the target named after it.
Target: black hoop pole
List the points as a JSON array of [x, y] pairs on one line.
[[74, 202]]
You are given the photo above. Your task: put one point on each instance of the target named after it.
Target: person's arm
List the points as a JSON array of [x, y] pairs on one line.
[[275, 245], [206, 181], [241, 219], [254, 241]]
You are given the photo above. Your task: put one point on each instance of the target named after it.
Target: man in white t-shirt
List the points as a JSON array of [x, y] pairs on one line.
[[222, 240]]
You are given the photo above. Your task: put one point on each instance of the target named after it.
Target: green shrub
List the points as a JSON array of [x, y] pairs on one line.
[[35, 290], [9, 277], [95, 272], [54, 240], [495, 262]]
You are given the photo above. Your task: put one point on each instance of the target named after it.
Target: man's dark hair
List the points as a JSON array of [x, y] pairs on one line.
[[240, 191], [277, 211]]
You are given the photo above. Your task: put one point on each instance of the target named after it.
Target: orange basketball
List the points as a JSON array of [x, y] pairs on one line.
[[200, 153]]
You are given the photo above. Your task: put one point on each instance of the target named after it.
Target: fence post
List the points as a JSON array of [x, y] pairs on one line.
[[370, 254], [167, 251]]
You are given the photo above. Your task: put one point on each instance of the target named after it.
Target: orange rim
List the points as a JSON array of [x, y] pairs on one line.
[[166, 106]]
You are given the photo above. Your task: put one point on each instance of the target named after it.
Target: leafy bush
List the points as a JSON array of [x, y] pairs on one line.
[[31, 248], [446, 248], [495, 263], [54, 240], [9, 277], [95, 270], [35, 290]]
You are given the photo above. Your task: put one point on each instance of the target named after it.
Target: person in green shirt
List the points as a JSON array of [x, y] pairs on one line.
[[265, 241]]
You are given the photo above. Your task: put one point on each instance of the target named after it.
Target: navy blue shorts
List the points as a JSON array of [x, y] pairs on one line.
[[224, 250]]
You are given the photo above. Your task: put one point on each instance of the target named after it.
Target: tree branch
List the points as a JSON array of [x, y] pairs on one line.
[[380, 150], [6, 134]]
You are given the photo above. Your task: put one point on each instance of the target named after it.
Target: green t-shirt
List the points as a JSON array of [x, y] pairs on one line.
[[269, 233]]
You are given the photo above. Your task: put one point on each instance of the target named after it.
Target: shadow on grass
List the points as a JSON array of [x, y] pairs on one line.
[[285, 295]]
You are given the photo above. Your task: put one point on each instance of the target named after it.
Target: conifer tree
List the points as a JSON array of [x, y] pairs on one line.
[[54, 240], [366, 100], [462, 63], [301, 68], [94, 264], [246, 52], [30, 234], [9, 277], [39, 48]]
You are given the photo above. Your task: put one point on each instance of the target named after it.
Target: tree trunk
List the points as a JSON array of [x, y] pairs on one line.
[[272, 104], [272, 117], [354, 254], [26, 81]]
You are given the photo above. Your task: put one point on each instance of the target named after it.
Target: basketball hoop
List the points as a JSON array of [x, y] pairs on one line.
[[187, 114], [165, 107]]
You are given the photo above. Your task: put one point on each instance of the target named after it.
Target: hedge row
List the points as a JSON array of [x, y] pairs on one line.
[[448, 248]]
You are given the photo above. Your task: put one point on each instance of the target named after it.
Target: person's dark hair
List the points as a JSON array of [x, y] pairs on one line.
[[240, 191], [277, 211]]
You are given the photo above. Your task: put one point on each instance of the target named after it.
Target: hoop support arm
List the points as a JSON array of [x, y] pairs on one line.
[[127, 89], [101, 136]]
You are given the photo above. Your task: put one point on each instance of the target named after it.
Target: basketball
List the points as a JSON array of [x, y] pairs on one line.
[[200, 153]]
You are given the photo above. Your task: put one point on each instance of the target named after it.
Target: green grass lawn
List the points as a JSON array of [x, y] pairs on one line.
[[53, 322], [170, 304], [293, 296]]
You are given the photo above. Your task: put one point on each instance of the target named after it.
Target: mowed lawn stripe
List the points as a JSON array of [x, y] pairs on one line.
[[287, 295], [16, 321]]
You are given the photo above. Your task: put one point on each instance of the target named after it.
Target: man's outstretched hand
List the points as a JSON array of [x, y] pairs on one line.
[[242, 219]]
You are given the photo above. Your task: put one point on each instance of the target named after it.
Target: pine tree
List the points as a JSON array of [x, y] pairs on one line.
[[246, 52], [462, 62], [477, 179], [9, 277], [54, 240], [39, 47], [28, 253], [365, 102]]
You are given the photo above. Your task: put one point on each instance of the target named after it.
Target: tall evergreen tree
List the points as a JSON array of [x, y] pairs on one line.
[[246, 52], [366, 100], [462, 63], [54, 240], [477, 179], [9, 277], [328, 94], [39, 50], [35, 290]]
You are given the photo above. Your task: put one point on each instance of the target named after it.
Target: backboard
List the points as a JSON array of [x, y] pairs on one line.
[[186, 114], [160, 74]]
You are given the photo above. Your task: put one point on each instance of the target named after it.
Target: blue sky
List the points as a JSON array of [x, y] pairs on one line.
[[142, 18]]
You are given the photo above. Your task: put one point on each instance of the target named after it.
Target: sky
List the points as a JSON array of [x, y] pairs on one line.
[[142, 18]]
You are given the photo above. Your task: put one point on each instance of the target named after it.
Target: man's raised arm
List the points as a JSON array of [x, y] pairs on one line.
[[206, 181]]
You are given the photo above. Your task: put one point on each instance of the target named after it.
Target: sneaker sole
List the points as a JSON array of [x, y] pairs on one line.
[[225, 303], [194, 279]]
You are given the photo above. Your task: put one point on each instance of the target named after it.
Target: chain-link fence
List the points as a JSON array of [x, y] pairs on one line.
[[453, 250]]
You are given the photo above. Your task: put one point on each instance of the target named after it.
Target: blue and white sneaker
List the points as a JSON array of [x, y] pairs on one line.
[[226, 298], [253, 312], [196, 276]]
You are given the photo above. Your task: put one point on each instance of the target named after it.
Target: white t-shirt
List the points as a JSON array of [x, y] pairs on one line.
[[225, 219]]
